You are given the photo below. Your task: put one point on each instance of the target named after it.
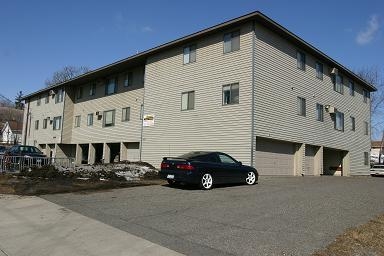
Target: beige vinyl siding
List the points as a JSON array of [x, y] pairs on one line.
[[278, 84], [210, 125]]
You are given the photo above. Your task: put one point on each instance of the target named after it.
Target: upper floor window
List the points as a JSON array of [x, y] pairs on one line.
[[38, 102], [92, 89], [319, 112], [47, 99], [126, 112], [300, 60], [366, 158], [188, 100], [189, 54], [109, 118], [231, 94], [319, 70], [77, 121], [128, 79], [351, 86], [57, 123], [338, 83], [90, 119], [366, 128], [37, 124], [301, 106], [79, 93], [232, 41], [353, 124], [339, 121], [59, 96], [366, 95], [45, 122], [110, 86]]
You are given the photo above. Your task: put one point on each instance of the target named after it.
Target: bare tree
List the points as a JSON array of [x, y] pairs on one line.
[[374, 76], [65, 74]]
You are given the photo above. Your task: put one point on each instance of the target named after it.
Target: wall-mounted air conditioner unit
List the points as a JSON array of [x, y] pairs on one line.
[[97, 113], [334, 71], [330, 109], [52, 92]]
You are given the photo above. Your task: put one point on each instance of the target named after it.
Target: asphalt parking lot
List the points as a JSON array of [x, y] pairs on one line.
[[278, 216]]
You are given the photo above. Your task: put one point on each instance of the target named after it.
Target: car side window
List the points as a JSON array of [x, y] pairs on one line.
[[226, 159], [207, 158]]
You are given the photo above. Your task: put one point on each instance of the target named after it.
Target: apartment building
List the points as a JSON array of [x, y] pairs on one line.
[[247, 87]]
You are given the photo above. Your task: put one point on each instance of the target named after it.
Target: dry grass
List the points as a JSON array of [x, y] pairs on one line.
[[367, 239]]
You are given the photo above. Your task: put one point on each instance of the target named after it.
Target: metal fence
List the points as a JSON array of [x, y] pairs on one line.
[[18, 163]]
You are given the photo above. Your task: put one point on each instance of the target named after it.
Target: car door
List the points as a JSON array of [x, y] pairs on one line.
[[231, 168], [211, 163]]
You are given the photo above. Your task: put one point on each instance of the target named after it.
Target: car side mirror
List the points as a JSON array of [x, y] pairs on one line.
[[240, 163]]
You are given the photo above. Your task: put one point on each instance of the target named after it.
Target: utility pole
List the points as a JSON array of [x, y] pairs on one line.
[[381, 147]]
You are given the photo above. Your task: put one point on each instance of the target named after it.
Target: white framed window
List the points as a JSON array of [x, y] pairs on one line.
[[92, 89], [109, 118], [57, 123], [188, 100], [111, 86], [37, 125], [189, 54], [128, 79], [366, 160], [319, 112], [232, 41], [300, 60], [339, 121], [77, 121], [301, 106], [353, 123], [59, 96], [366, 95], [366, 128], [338, 83], [90, 119], [231, 94], [319, 70], [126, 112], [45, 123], [351, 86]]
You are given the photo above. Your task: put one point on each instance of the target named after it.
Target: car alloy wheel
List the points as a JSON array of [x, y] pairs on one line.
[[251, 178], [206, 181]]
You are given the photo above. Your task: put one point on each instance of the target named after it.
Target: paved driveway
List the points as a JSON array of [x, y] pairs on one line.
[[279, 216]]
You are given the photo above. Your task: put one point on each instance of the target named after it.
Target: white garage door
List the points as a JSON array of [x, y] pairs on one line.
[[309, 160], [274, 157]]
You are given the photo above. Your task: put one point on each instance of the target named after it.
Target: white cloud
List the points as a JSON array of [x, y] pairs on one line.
[[147, 29], [367, 35]]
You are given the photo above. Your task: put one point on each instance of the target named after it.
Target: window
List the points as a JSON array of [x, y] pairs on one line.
[[79, 93], [231, 94], [128, 78], [366, 128], [353, 124], [319, 70], [339, 121], [338, 83], [188, 100], [109, 118], [90, 119], [38, 102], [365, 95], [189, 54], [226, 159], [37, 125], [232, 41], [319, 112], [92, 89], [301, 106], [300, 60], [366, 162], [45, 122], [59, 96], [77, 121], [47, 99], [110, 86], [351, 86], [57, 123], [126, 112]]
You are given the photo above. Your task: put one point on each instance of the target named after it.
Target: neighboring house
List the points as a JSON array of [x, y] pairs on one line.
[[247, 87], [377, 147], [11, 133]]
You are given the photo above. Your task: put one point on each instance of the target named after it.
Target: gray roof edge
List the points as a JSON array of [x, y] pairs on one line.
[[244, 18]]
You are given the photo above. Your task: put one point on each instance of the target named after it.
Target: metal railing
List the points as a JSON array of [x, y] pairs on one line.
[[18, 163]]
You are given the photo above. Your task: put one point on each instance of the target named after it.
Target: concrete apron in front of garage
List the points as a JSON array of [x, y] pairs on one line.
[[291, 215]]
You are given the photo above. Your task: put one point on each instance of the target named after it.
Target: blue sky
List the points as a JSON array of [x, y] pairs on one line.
[[40, 37]]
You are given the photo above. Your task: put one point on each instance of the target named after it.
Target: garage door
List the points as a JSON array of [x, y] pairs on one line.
[[309, 160], [274, 157]]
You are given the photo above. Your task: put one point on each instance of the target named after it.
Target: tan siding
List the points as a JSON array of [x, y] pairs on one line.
[[210, 126], [279, 82]]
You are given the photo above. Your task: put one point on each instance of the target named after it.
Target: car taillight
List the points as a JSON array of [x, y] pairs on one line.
[[186, 167], [164, 166]]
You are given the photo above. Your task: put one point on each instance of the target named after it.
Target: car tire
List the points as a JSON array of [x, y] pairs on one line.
[[206, 181], [171, 182], [251, 178]]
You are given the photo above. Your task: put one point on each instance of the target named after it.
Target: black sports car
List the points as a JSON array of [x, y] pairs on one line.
[[206, 169]]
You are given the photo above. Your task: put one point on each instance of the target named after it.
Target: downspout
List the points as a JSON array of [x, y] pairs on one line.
[[253, 93], [142, 114]]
